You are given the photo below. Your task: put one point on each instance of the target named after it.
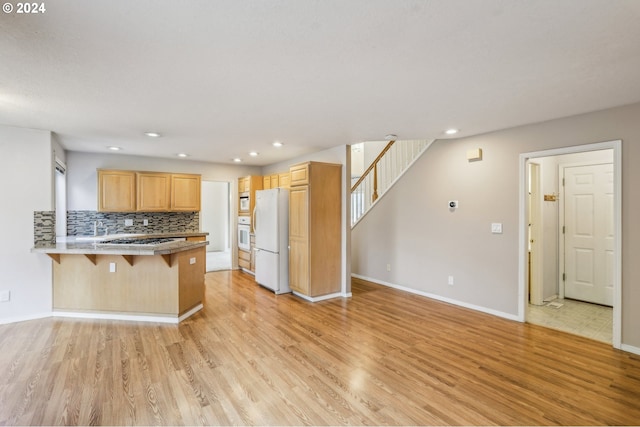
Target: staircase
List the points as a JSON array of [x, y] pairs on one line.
[[392, 162]]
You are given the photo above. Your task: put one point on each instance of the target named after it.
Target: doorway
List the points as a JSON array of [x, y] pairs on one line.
[[215, 219], [565, 219]]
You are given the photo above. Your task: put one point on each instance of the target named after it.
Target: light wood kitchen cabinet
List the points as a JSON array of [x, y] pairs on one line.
[[131, 191], [247, 187], [153, 191], [244, 259], [252, 254], [276, 180], [283, 180], [314, 229], [185, 192], [116, 191], [244, 184]]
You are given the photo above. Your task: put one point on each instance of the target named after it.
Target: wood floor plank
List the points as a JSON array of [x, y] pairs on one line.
[[382, 357]]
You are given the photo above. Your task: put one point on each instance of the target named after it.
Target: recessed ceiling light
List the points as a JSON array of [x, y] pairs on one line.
[[237, 160], [182, 155], [113, 148], [153, 134], [253, 153], [277, 144], [451, 131]]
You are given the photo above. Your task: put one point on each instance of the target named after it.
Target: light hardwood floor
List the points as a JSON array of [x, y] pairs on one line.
[[251, 357]]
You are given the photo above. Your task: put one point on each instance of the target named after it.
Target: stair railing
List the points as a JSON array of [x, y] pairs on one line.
[[382, 173]]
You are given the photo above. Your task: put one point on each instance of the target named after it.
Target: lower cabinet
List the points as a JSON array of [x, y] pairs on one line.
[[252, 254], [244, 259]]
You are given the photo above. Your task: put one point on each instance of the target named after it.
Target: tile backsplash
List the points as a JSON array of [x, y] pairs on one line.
[[80, 223], [44, 227]]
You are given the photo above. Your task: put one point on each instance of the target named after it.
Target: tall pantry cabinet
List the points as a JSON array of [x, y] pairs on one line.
[[314, 229]]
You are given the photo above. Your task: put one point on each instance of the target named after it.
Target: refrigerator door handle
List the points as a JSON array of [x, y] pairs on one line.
[[253, 218]]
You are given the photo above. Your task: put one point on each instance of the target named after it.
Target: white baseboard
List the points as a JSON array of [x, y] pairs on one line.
[[25, 318], [128, 317], [630, 349], [320, 298], [441, 298]]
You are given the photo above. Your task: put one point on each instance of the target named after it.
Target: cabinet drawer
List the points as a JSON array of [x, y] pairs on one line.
[[245, 256], [244, 264], [299, 174]]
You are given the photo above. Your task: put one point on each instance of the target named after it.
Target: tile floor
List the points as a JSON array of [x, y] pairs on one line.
[[576, 317], [218, 260]]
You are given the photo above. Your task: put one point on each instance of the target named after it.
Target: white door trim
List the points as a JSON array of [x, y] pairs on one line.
[[535, 211], [617, 215]]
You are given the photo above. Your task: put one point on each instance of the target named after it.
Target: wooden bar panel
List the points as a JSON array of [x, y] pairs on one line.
[[150, 285]]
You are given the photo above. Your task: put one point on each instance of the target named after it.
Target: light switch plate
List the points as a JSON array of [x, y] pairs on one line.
[[496, 228], [192, 260], [128, 222], [112, 267], [5, 296]]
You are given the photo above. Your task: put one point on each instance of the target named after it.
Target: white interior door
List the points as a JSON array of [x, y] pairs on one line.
[[589, 233]]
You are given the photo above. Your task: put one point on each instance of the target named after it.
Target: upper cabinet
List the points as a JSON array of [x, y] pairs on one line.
[[185, 192], [116, 191], [131, 191], [283, 179], [276, 180], [247, 187], [154, 191], [299, 174]]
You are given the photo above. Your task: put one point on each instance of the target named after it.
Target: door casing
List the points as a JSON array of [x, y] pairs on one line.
[[523, 269]]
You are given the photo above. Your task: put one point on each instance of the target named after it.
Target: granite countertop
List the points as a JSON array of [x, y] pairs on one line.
[[98, 245]]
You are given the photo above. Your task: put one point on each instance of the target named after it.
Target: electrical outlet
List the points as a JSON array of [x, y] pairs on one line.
[[128, 222], [450, 281], [145, 222], [192, 260], [112, 267], [5, 296], [388, 267]]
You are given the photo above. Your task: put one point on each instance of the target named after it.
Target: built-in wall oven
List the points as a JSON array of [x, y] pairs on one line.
[[244, 228]]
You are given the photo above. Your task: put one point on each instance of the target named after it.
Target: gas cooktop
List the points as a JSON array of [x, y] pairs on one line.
[[141, 242]]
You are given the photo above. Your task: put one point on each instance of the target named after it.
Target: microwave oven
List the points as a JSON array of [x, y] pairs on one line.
[[244, 202]]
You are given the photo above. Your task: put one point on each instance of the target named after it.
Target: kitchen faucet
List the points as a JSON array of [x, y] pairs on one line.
[[97, 224]]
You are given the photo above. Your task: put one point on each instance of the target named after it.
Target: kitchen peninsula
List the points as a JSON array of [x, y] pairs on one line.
[[152, 277]]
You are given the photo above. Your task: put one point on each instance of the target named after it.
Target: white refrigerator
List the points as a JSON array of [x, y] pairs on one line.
[[271, 227]]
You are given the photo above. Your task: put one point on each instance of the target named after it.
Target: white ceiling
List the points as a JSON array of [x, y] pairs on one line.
[[219, 78]]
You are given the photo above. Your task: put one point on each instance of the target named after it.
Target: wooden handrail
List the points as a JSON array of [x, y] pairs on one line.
[[372, 165]]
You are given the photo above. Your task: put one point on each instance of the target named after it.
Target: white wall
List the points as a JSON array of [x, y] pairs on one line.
[[412, 229], [341, 155], [214, 215], [27, 176]]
